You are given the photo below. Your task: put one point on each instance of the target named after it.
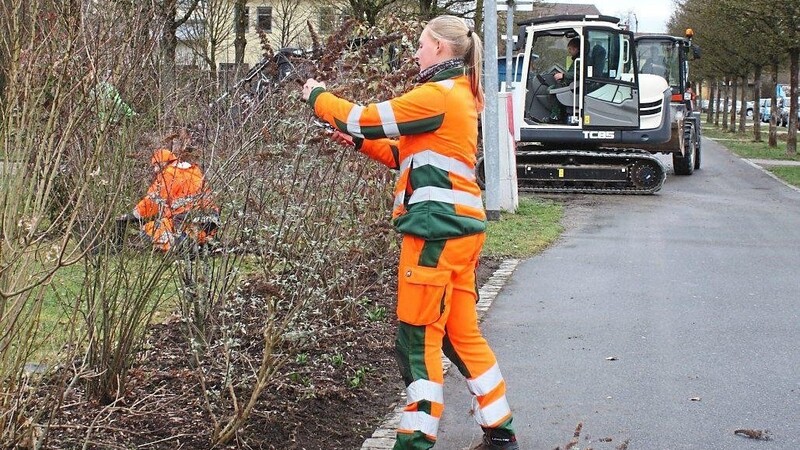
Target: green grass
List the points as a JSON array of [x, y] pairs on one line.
[[788, 174], [744, 146], [534, 226]]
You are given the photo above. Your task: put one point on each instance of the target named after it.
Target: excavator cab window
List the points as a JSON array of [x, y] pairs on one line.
[[553, 83], [610, 94], [662, 58]]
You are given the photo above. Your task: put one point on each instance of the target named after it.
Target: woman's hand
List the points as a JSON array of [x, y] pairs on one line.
[[309, 86], [342, 138]]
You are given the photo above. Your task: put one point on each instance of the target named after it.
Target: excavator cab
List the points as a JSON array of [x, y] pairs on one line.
[[577, 114], [594, 96], [603, 94]]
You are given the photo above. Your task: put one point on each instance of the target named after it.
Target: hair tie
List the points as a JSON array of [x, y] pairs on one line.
[[469, 33]]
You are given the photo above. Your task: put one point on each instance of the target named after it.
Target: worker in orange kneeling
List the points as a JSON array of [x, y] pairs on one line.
[[178, 203]]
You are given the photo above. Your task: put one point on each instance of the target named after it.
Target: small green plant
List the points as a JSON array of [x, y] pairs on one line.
[[337, 360], [358, 377], [302, 358], [376, 313]]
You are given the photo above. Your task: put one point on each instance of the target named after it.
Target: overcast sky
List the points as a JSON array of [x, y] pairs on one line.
[[652, 14]]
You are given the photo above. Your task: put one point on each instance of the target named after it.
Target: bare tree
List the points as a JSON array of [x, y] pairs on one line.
[[169, 19], [208, 30], [240, 19], [368, 10], [290, 22]]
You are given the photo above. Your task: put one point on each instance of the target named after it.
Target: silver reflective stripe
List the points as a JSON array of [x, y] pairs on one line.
[[485, 383], [448, 83], [419, 421], [446, 163], [399, 199], [404, 164], [491, 414], [354, 121], [165, 237], [436, 194], [424, 390], [388, 121], [157, 199], [178, 202]]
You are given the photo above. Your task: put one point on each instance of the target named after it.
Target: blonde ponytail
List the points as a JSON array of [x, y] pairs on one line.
[[466, 44]]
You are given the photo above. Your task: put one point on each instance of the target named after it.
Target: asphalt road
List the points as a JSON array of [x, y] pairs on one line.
[[666, 321]]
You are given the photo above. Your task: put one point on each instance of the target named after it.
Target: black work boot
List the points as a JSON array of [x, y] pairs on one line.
[[494, 439]]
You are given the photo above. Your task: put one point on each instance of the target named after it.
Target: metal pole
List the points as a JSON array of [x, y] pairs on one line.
[[490, 123], [509, 45]]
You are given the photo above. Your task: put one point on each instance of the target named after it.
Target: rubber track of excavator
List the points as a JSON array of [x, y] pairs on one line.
[[608, 154]]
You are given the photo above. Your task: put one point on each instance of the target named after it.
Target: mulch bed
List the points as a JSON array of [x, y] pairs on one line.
[[311, 404]]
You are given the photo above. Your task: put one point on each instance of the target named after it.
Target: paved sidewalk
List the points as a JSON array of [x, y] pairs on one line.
[[775, 162]]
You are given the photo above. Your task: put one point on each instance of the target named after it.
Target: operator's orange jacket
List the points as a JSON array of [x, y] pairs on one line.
[[436, 195], [177, 189]]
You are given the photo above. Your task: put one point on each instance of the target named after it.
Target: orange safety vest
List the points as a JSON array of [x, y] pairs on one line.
[[177, 189], [430, 134]]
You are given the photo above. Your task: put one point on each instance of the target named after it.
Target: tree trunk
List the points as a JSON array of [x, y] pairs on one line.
[[717, 105], [743, 112], [773, 126], [698, 103], [734, 108], [479, 17], [791, 140], [712, 92], [726, 99], [169, 45], [757, 104], [5, 65], [239, 41], [371, 16], [427, 9], [12, 31]]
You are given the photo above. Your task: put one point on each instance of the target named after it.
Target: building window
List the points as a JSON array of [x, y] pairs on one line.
[[265, 18], [245, 19]]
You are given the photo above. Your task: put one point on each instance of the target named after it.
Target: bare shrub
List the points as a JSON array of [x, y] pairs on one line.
[[63, 182], [305, 231], [315, 217]]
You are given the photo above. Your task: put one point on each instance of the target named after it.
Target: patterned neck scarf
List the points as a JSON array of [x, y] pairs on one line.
[[428, 73]]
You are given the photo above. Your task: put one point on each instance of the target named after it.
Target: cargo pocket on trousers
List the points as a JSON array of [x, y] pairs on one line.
[[421, 294]]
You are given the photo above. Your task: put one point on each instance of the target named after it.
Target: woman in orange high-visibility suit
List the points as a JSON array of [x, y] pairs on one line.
[[178, 188], [430, 135]]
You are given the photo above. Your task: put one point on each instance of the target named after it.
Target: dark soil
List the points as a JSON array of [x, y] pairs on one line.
[[315, 403]]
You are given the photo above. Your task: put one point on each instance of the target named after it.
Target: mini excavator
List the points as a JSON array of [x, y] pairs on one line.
[[598, 133]]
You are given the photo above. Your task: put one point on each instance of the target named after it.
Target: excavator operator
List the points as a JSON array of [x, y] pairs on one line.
[[563, 79], [573, 48]]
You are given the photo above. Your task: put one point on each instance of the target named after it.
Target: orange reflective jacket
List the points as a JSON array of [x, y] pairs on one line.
[[430, 134], [176, 189]]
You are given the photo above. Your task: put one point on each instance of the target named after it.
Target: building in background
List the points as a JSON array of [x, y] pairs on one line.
[[208, 36]]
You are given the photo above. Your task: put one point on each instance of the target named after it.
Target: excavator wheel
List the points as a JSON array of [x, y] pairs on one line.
[[645, 174], [697, 149], [684, 164]]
